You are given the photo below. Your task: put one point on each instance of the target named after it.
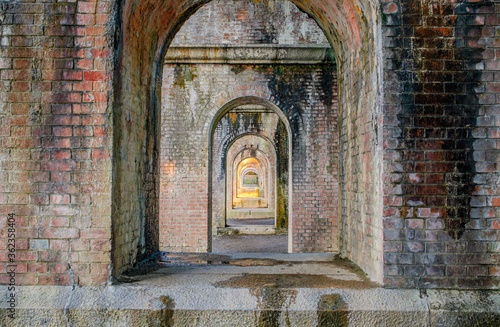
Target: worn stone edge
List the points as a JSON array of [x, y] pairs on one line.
[[211, 298]]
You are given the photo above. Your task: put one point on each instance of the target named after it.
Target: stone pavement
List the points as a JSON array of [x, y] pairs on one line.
[[250, 289]]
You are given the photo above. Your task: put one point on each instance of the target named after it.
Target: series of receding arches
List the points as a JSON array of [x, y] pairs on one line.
[[352, 28], [252, 152]]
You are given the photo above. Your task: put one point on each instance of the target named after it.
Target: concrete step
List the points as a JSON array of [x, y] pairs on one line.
[[249, 213], [247, 289], [213, 306], [250, 203], [245, 222], [246, 230]]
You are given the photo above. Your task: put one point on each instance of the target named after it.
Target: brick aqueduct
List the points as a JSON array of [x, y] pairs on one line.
[[369, 128]]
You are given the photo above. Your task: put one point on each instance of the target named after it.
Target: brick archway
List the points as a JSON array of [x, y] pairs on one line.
[[80, 116], [238, 148], [351, 27], [239, 96]]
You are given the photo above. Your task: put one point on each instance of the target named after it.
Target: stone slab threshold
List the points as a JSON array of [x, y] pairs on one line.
[[248, 213], [128, 305], [246, 230], [276, 243], [246, 222], [243, 289]]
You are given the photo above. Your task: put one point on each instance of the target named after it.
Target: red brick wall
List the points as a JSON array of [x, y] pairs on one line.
[[441, 128], [55, 172], [351, 27], [310, 106], [187, 112]]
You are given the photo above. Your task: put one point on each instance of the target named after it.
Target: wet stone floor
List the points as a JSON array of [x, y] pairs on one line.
[[247, 270]]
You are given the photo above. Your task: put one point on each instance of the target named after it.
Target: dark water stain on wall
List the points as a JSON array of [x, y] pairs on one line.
[[282, 169], [231, 126], [332, 311], [271, 303], [165, 316], [439, 87], [292, 86], [460, 184], [183, 74]]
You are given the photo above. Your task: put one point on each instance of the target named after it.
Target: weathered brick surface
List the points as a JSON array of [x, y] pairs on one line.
[[305, 94], [185, 127], [55, 174], [249, 22], [440, 128], [418, 102], [48, 70], [353, 34]]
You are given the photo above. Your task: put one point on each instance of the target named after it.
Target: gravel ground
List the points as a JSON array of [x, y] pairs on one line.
[[250, 243]]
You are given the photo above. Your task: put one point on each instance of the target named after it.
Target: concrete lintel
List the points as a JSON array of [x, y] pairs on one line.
[[250, 54], [216, 306]]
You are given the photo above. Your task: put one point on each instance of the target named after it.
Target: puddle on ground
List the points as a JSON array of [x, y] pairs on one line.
[[291, 281], [164, 260], [193, 259], [181, 259]]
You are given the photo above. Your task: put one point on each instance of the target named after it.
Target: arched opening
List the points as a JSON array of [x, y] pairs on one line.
[[250, 209], [246, 182], [264, 151], [351, 28], [297, 66]]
